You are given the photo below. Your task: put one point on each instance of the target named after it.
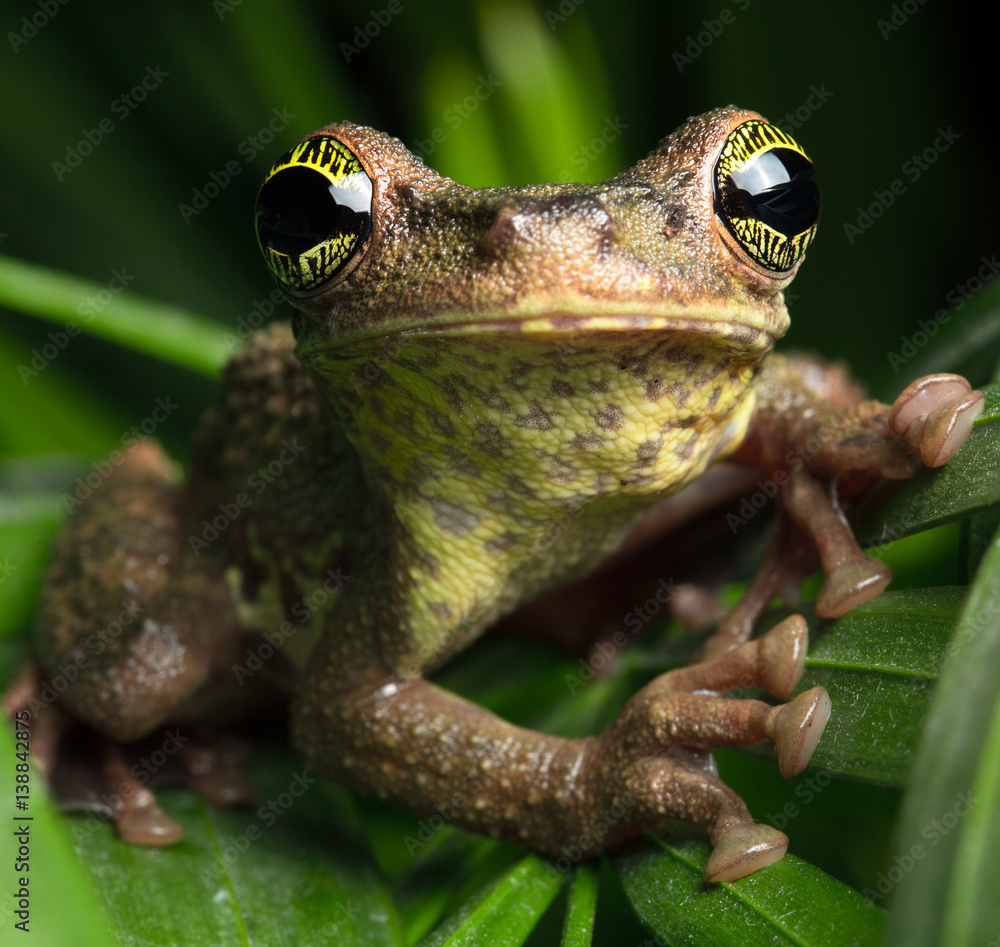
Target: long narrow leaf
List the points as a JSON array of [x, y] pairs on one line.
[[114, 314], [578, 928], [505, 913], [790, 902], [946, 868]]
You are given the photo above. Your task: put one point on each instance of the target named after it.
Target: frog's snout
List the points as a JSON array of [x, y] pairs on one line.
[[563, 226]]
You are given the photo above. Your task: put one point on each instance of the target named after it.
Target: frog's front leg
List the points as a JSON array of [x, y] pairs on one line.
[[401, 738], [820, 442]]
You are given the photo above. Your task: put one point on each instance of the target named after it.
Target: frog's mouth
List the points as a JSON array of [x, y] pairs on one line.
[[567, 327]]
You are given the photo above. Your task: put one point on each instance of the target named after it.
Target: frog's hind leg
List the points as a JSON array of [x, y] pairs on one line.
[[133, 629]]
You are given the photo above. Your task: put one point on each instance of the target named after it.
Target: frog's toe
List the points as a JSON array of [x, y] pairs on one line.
[[796, 728], [781, 656], [214, 771], [947, 427], [856, 580], [921, 397], [143, 822], [936, 414], [743, 849]]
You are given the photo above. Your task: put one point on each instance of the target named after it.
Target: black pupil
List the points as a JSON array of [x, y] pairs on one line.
[[778, 188], [296, 210]]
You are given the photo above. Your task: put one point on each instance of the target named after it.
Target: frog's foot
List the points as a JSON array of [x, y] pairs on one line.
[[930, 419], [656, 757], [935, 415], [89, 772], [209, 770], [132, 805]]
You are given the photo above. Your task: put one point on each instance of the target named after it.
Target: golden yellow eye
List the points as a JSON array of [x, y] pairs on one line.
[[767, 195], [314, 213]]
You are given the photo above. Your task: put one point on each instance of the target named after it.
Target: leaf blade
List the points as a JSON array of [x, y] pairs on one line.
[[790, 902], [937, 843], [142, 324]]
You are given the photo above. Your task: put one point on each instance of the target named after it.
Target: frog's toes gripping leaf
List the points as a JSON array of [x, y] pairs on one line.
[[935, 414], [658, 749]]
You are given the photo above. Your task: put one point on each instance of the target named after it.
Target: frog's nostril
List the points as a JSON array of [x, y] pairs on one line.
[[572, 223]]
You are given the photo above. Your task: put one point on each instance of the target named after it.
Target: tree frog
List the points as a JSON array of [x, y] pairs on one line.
[[484, 393]]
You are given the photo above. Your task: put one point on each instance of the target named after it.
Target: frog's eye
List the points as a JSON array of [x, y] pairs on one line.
[[314, 212], [767, 195]]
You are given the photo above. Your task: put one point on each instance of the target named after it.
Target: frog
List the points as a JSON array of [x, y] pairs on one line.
[[483, 395]]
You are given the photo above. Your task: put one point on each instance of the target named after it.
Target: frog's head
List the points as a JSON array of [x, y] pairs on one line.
[[701, 235]]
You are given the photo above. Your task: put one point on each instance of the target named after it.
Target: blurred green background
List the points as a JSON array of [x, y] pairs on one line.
[[565, 74]]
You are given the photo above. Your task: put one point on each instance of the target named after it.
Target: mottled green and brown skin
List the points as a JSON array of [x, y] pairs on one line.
[[493, 396]]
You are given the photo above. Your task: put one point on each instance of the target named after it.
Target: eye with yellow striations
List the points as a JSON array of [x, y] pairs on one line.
[[767, 195], [314, 213]]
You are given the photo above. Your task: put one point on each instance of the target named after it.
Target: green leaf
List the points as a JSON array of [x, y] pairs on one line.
[[879, 663], [946, 868], [550, 123], [578, 927], [64, 906], [790, 902], [141, 324], [504, 913], [291, 870], [429, 889]]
